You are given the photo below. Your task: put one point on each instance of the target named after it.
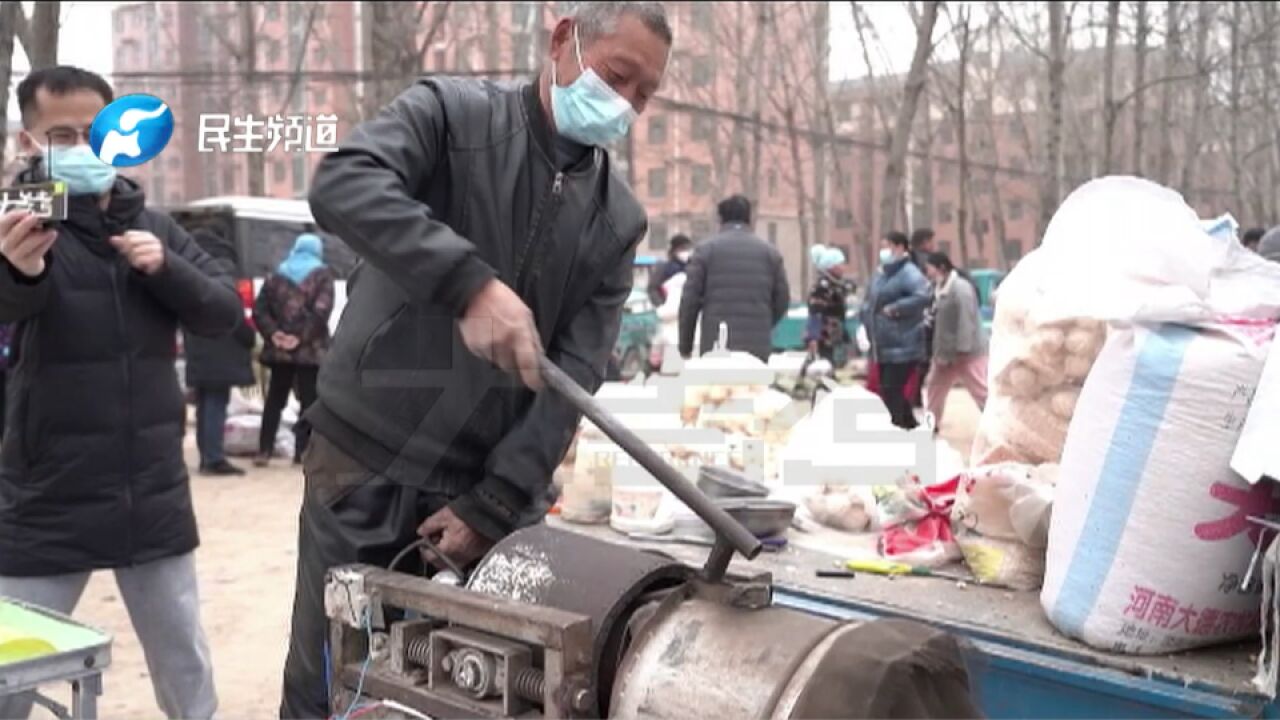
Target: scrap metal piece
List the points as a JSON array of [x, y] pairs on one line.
[[555, 568]]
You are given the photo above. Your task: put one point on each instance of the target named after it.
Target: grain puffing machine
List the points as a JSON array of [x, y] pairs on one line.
[[557, 625]]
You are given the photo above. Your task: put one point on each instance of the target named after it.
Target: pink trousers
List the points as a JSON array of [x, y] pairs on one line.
[[969, 370]]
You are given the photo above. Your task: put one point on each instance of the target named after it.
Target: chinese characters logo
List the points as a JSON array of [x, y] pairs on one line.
[[251, 134]]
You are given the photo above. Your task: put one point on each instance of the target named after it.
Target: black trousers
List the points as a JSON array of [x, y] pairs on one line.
[[299, 379], [893, 384], [349, 515]]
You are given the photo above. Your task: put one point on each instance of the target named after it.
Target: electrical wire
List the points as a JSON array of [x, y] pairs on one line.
[[423, 542], [364, 668]]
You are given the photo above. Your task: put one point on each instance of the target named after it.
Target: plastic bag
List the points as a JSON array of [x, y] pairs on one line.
[[241, 434], [1119, 250], [1001, 523]]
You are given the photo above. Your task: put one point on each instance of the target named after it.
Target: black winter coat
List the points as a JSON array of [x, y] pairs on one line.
[[451, 185], [91, 472], [221, 362], [738, 279]]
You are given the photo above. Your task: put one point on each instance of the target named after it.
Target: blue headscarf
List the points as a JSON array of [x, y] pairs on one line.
[[825, 257], [306, 257]]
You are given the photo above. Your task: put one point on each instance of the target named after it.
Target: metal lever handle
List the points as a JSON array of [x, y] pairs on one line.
[[725, 527]]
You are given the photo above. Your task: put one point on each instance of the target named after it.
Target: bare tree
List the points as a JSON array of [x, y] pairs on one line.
[[1199, 98], [394, 54], [8, 12], [1172, 50], [1139, 83], [1051, 183], [1110, 110], [917, 75], [1234, 110], [957, 109], [39, 34]]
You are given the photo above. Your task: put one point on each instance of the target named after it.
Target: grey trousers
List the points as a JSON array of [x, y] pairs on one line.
[[164, 607]]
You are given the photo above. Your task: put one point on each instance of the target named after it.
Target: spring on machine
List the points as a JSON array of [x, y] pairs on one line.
[[418, 651], [530, 684]]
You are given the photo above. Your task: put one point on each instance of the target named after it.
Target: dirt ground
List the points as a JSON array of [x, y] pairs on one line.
[[248, 530]]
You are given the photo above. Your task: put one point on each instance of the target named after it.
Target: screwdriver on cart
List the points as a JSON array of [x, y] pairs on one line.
[[890, 568]]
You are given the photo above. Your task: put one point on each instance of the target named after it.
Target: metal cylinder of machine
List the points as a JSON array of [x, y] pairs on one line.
[[699, 658], [695, 657]]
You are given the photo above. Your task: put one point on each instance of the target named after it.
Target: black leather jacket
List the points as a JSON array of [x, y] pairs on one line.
[[451, 185]]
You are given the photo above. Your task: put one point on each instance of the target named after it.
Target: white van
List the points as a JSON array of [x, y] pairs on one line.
[[264, 230]]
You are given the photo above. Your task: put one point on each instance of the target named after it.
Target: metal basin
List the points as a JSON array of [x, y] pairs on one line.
[[719, 482], [763, 518]]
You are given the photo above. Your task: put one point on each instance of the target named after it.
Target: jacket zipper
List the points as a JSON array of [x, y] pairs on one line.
[[541, 221], [128, 389]]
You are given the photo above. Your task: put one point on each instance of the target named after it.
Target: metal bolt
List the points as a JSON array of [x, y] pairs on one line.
[[582, 700]]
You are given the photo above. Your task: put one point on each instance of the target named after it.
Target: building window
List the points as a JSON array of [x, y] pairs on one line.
[[844, 219], [944, 213], [981, 226], [702, 129], [521, 47], [658, 235], [1013, 250], [278, 171], [658, 130], [658, 182], [273, 11], [1015, 209], [700, 17], [773, 182], [299, 174], [773, 233], [700, 180], [522, 14], [700, 75]]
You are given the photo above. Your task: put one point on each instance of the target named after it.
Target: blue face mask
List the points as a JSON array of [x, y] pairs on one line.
[[588, 111], [80, 169], [886, 256]]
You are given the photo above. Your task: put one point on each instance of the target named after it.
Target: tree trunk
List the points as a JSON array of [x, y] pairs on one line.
[[1110, 111], [962, 146], [914, 87], [255, 162], [1272, 128], [821, 148], [44, 26], [1234, 110], [924, 179], [757, 132], [1199, 100], [802, 197], [1051, 187], [8, 14], [1172, 49], [1139, 83]]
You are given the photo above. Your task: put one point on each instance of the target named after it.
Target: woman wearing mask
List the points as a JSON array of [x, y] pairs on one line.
[[959, 352], [292, 314], [893, 314], [825, 334]]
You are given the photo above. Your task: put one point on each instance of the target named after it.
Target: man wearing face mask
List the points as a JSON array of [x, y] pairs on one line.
[[92, 475], [491, 226]]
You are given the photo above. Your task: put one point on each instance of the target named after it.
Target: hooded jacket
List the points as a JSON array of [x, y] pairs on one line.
[[91, 472], [453, 184]]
